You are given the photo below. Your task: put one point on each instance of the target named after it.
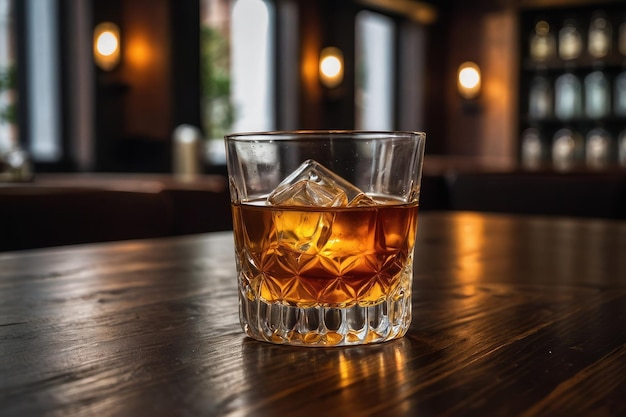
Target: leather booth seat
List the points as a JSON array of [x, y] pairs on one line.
[[594, 195], [69, 209]]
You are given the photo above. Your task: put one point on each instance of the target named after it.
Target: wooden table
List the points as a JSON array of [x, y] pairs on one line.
[[513, 316]]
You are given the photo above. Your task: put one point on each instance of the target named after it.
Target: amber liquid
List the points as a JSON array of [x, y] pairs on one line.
[[331, 257]]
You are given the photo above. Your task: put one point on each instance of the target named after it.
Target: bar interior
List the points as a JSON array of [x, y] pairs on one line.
[[117, 275]]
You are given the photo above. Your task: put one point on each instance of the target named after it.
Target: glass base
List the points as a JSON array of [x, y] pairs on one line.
[[324, 326]]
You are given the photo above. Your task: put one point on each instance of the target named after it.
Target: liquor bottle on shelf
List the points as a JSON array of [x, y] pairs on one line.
[[570, 41], [598, 148], [621, 39], [567, 97], [533, 149], [540, 98], [599, 36], [597, 95], [567, 149], [542, 42], [619, 95], [621, 149]]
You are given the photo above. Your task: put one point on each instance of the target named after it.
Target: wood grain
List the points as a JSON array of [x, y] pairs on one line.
[[513, 316]]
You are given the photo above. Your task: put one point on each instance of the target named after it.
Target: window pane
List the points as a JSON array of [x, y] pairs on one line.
[[8, 79], [237, 69], [43, 80], [252, 67], [375, 71]]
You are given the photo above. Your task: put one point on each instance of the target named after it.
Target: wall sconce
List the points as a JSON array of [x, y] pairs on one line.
[[469, 80], [106, 45], [331, 67]]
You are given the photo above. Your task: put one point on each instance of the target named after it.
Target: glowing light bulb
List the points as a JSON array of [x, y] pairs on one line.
[[469, 77], [107, 43], [469, 80], [331, 67]]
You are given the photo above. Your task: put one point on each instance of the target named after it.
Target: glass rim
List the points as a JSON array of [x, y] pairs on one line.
[[285, 135]]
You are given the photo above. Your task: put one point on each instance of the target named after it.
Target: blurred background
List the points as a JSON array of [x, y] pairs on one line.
[[241, 65], [523, 102]]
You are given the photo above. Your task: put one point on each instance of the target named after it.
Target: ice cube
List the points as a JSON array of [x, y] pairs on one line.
[[312, 184], [362, 200]]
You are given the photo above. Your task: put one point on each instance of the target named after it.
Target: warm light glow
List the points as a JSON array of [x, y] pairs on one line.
[[469, 239], [106, 45], [331, 67], [138, 54], [469, 77], [469, 80]]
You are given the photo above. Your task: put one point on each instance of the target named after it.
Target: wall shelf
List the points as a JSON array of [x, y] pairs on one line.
[[552, 67]]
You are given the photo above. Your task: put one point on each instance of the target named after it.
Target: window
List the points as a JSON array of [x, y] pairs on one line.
[[43, 81], [237, 59], [375, 81], [8, 77], [38, 75]]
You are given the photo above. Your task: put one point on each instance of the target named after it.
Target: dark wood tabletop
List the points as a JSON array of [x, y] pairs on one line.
[[513, 316]]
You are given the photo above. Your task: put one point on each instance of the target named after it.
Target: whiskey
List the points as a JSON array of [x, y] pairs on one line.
[[324, 257]]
